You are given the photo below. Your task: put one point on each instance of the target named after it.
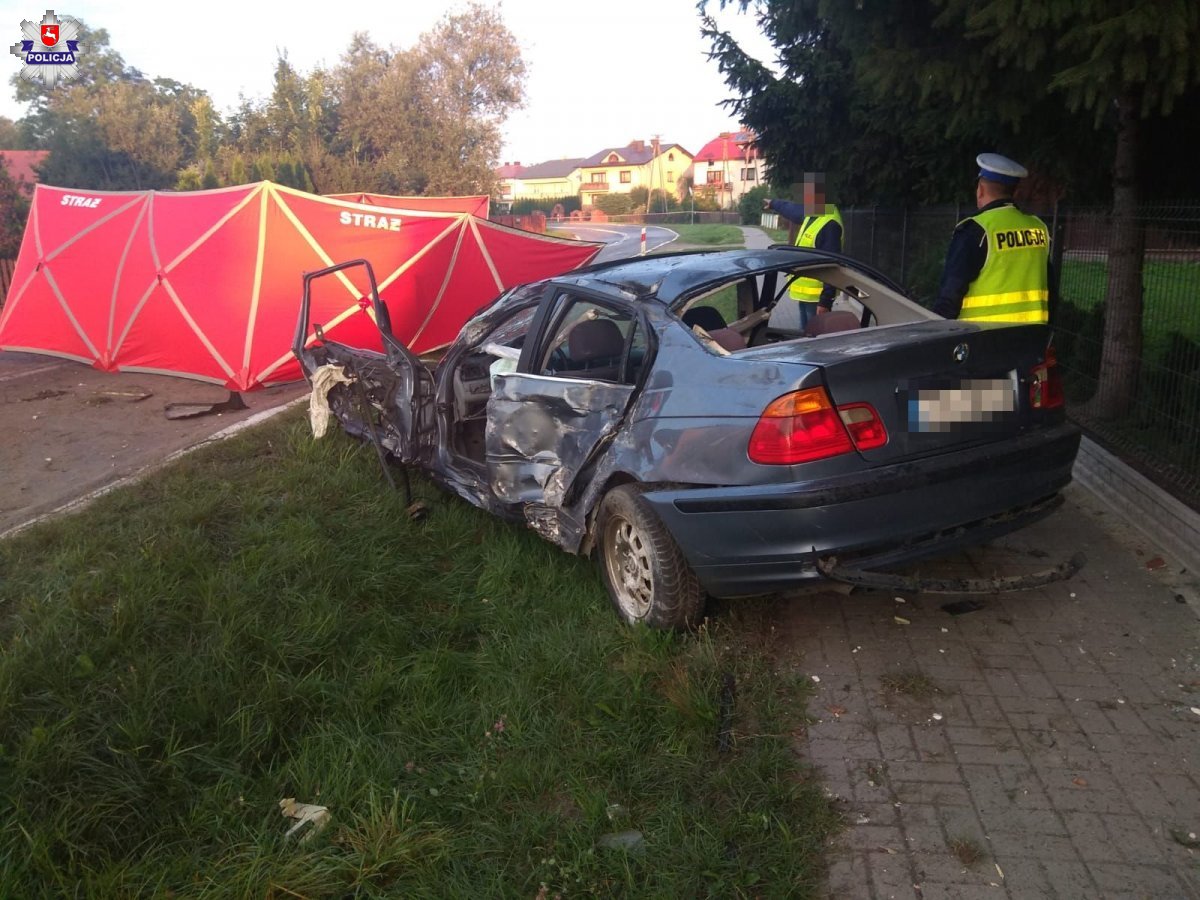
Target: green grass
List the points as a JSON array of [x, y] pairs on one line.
[[263, 621], [708, 235], [1169, 294]]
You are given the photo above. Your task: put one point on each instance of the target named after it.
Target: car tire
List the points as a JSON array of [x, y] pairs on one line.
[[647, 577]]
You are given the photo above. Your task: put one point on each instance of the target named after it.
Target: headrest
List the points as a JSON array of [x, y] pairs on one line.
[[705, 316], [595, 339]]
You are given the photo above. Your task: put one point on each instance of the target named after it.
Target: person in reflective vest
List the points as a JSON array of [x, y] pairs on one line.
[[998, 264], [820, 227]]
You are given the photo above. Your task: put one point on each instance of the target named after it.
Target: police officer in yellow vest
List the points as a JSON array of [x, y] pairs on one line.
[[998, 265], [820, 227]]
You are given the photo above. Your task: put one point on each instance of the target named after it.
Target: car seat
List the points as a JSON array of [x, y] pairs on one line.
[[729, 339], [827, 323], [595, 348]]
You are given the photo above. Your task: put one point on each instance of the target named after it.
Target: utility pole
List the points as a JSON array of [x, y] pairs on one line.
[[656, 162]]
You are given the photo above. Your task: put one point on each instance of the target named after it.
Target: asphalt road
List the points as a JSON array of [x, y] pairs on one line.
[[622, 241], [67, 429]]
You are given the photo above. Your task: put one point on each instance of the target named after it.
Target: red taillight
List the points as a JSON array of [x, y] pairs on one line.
[[804, 426], [865, 427], [1045, 383]]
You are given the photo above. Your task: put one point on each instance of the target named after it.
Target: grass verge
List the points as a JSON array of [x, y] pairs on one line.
[[709, 235], [262, 621]]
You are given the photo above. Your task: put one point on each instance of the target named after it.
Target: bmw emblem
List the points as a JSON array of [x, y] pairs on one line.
[[961, 352]]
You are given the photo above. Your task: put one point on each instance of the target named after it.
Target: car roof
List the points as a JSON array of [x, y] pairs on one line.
[[669, 276]]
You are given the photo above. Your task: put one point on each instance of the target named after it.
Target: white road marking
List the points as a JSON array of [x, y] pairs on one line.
[[36, 371]]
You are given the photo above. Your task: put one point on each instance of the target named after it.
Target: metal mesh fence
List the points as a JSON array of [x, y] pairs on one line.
[[1160, 433]]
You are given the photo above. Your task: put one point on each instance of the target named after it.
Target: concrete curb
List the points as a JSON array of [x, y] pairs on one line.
[[1160, 518], [223, 434]]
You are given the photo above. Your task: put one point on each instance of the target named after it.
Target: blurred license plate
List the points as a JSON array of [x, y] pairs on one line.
[[972, 401]]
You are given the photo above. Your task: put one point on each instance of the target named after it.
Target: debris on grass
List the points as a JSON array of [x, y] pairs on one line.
[[323, 381], [629, 841], [304, 814]]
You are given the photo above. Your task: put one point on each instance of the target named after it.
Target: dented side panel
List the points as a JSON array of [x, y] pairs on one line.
[[542, 431]]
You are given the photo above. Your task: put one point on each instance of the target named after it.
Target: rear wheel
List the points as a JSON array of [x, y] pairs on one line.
[[648, 579]]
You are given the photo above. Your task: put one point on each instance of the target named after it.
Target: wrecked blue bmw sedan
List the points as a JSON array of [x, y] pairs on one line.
[[645, 412]]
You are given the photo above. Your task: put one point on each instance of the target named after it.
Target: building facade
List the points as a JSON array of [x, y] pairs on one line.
[[725, 168], [654, 166], [728, 166]]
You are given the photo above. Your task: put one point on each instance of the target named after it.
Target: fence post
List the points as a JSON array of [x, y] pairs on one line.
[[1057, 250], [874, 210]]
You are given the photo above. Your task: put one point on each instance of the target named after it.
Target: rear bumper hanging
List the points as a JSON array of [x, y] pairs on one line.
[[828, 566]]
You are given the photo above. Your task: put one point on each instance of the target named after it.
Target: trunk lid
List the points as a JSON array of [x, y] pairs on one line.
[[936, 385]]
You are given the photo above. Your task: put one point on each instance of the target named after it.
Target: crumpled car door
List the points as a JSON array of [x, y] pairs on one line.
[[543, 430], [390, 395], [548, 422]]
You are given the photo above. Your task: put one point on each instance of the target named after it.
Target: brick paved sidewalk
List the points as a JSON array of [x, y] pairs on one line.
[[1043, 746]]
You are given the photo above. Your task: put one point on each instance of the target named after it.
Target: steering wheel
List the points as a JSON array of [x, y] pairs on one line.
[[558, 360]]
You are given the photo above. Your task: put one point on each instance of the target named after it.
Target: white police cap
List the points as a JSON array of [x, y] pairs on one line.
[[995, 167]]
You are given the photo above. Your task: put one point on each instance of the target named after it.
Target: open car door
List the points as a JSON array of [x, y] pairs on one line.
[[385, 397], [548, 421]]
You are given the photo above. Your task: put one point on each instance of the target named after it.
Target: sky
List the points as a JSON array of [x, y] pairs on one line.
[[599, 74]]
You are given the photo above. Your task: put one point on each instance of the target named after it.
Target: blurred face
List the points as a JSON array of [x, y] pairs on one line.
[[814, 194]]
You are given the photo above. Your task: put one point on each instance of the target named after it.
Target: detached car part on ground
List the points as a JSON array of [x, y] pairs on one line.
[[643, 409]]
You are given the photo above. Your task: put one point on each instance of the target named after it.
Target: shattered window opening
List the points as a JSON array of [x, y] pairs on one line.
[[594, 342]]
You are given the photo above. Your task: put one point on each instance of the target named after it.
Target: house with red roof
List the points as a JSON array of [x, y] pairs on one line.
[[728, 166], [22, 166]]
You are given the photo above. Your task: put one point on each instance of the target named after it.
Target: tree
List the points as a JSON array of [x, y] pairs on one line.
[[750, 204], [14, 210], [913, 85], [10, 135], [210, 180], [112, 128], [427, 119]]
